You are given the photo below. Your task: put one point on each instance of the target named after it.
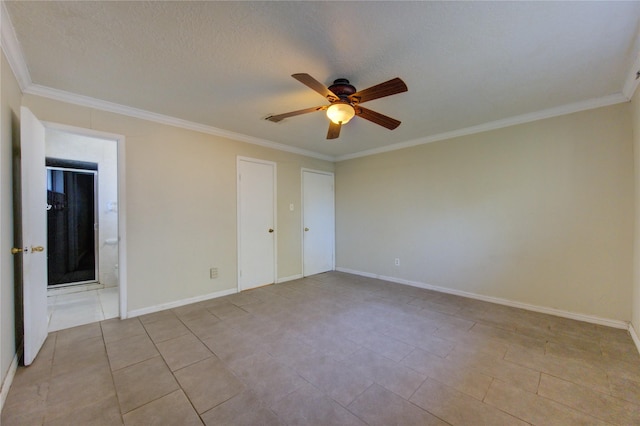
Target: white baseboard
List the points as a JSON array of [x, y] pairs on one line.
[[291, 278], [6, 384], [178, 303], [634, 336], [542, 309]]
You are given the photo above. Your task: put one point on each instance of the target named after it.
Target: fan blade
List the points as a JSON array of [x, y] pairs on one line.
[[376, 117], [314, 84], [280, 117], [381, 90], [334, 130]]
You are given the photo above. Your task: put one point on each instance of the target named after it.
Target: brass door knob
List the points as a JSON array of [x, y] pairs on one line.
[[306, 229], [270, 230], [36, 249], [15, 250]]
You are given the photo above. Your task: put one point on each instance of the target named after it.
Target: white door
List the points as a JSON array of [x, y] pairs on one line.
[[34, 233], [256, 223], [318, 222]]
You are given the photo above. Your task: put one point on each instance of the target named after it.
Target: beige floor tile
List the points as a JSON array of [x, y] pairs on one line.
[[421, 337], [510, 337], [244, 409], [388, 373], [208, 383], [535, 409], [87, 348], [284, 344], [308, 351], [229, 344], [183, 351], [78, 389], [335, 378], [131, 350], [593, 357], [570, 369], [71, 364], [333, 345], [508, 372], [227, 311], [380, 407], [626, 389], [26, 402], [117, 329], [473, 343], [308, 406], [267, 377], [456, 408], [203, 325], [470, 382], [170, 410], [144, 382], [589, 401], [77, 334], [381, 344], [165, 329], [250, 324], [102, 411], [157, 316], [625, 351]]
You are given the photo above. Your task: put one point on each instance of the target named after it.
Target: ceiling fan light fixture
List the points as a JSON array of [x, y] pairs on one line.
[[340, 112]]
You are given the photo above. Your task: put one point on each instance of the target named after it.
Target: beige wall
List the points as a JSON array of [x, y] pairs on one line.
[[9, 112], [539, 213], [635, 300], [181, 203]]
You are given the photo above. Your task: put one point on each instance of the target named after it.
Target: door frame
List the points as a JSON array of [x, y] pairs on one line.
[[275, 215], [122, 200], [322, 172]]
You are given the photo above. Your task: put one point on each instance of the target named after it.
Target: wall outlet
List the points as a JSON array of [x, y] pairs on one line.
[[397, 261], [213, 273]]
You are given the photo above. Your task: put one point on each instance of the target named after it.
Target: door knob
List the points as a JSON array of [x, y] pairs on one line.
[[15, 250], [36, 249], [306, 229], [270, 230]]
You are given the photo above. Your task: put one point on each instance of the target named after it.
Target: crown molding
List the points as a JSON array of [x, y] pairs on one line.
[[13, 52], [86, 101], [12, 49], [631, 82], [493, 125]]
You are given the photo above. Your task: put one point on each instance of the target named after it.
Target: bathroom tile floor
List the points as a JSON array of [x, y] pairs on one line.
[[332, 349], [83, 307]]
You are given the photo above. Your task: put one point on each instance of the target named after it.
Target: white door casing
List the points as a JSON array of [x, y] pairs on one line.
[[34, 233], [256, 223], [318, 222]]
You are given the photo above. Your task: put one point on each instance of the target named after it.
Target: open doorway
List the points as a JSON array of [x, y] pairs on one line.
[[82, 228]]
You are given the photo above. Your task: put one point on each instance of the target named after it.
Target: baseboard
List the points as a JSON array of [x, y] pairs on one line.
[[291, 278], [634, 336], [500, 301], [6, 384], [178, 303]]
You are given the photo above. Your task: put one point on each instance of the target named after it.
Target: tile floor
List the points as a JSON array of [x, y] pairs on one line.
[[333, 349], [83, 307]]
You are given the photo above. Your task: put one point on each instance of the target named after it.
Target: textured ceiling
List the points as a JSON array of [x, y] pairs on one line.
[[228, 64]]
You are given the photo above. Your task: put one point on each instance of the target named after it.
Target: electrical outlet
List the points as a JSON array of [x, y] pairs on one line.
[[213, 273], [397, 261]]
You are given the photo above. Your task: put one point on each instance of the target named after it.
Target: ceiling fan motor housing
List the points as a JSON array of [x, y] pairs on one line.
[[342, 88]]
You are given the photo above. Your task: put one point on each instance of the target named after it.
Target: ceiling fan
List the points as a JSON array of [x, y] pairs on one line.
[[344, 102]]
